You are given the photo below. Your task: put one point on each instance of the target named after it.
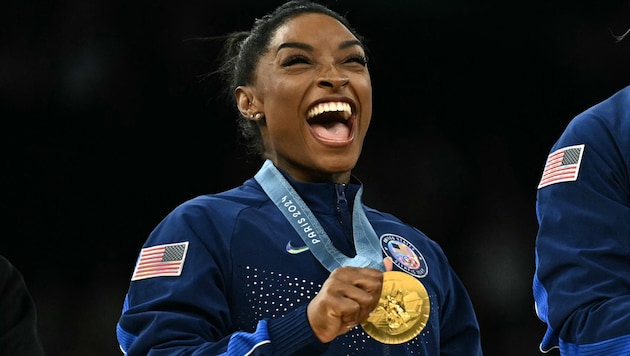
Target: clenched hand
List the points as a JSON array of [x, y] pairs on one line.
[[346, 299]]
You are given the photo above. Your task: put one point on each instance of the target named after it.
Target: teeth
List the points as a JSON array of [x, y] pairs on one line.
[[329, 107]]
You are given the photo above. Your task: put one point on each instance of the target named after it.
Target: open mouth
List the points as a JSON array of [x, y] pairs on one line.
[[330, 121]]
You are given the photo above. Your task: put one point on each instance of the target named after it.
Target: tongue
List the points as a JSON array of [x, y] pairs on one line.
[[332, 131]]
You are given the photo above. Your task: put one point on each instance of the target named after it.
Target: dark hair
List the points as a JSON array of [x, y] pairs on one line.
[[243, 49]]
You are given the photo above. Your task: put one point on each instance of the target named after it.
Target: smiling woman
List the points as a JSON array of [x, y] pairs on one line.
[[302, 73], [292, 261]]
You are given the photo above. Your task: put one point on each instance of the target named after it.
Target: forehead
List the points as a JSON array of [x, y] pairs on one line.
[[311, 27]]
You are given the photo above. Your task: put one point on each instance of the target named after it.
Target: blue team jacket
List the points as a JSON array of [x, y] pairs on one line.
[[582, 281], [226, 274]]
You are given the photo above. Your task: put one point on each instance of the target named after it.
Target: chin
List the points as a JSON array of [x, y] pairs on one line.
[[337, 164]]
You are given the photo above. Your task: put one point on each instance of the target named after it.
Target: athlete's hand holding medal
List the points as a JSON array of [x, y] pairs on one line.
[[391, 306]]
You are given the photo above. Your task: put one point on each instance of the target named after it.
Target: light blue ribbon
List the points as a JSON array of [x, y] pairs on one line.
[[305, 223]]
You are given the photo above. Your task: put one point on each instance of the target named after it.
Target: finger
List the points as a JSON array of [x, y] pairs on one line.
[[349, 310], [360, 289], [389, 263], [365, 291]]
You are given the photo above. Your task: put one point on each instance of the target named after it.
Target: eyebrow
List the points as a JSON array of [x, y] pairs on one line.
[[306, 47]]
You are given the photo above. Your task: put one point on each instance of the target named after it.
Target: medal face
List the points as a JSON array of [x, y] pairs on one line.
[[402, 311]]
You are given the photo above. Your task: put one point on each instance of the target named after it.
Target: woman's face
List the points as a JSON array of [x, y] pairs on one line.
[[314, 89]]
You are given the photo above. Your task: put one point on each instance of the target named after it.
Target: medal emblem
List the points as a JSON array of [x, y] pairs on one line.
[[402, 312]]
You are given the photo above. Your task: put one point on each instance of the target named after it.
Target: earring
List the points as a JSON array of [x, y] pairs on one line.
[[256, 116]]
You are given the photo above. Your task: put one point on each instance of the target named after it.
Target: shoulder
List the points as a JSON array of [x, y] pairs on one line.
[[10, 277], [601, 134], [5, 266], [18, 330], [606, 121], [229, 202], [207, 215]]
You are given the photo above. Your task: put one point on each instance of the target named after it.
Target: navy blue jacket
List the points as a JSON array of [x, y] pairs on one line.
[[582, 280], [226, 274]]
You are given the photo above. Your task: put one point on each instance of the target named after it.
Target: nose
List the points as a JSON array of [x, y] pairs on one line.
[[335, 83], [333, 78]]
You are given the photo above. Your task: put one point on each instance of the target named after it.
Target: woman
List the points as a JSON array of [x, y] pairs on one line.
[[292, 262]]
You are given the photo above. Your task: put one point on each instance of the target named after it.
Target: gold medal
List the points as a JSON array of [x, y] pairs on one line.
[[402, 311]]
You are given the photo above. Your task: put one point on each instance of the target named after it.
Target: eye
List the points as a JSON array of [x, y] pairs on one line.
[[295, 59], [360, 59]]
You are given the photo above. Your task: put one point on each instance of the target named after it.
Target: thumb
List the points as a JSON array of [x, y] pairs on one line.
[[389, 263]]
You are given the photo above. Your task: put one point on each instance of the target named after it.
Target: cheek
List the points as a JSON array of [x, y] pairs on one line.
[[282, 96], [281, 104], [363, 86], [283, 126], [364, 90], [279, 84]]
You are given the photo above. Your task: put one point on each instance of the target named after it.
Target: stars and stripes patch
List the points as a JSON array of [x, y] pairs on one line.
[[160, 261], [562, 165]]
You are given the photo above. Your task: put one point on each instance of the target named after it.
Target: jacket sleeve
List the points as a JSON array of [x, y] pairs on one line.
[[581, 284], [187, 312]]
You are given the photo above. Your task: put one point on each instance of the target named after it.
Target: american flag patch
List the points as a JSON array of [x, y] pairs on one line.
[[562, 165], [160, 261]]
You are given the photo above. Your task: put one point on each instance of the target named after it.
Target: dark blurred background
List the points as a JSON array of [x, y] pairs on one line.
[[108, 125]]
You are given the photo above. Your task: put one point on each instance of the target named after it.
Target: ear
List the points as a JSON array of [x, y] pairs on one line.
[[245, 101]]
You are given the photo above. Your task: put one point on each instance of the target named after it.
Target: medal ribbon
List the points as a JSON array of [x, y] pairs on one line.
[[306, 225]]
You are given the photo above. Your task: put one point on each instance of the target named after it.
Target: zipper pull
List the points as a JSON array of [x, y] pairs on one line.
[[342, 204]]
